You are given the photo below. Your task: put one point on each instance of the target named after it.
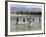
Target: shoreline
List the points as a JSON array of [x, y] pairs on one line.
[[23, 15]]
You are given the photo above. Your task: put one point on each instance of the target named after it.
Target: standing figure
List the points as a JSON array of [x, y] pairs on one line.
[[23, 19], [17, 24], [39, 19], [28, 19], [33, 19], [29, 26], [17, 20]]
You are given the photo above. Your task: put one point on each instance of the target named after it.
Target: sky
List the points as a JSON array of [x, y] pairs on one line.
[[25, 8]]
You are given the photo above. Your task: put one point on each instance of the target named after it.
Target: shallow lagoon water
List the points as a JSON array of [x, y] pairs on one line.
[[36, 25]]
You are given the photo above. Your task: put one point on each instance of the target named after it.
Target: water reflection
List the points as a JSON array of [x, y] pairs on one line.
[[23, 23]]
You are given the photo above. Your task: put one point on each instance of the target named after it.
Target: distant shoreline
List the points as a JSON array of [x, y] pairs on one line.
[[27, 13], [23, 15]]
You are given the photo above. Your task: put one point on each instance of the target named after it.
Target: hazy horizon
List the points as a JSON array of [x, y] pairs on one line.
[[25, 8]]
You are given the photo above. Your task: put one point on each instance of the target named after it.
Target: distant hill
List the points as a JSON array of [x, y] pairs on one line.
[[27, 13]]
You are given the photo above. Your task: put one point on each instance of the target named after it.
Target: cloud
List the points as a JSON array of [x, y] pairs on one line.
[[25, 8]]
